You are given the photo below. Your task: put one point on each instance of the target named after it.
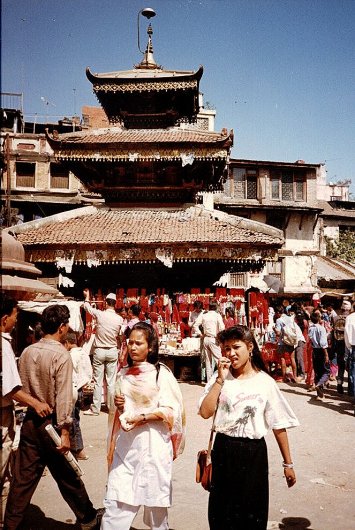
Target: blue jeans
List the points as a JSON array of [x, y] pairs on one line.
[[76, 438], [351, 371], [104, 364]]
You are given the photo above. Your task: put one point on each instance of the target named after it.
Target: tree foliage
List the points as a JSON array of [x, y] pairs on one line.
[[343, 248]]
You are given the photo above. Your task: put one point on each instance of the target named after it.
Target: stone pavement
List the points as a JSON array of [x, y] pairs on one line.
[[323, 449]]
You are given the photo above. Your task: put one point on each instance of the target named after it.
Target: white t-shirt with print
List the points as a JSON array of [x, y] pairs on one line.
[[249, 407]]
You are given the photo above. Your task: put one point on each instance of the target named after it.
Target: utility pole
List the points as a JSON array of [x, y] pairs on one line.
[[8, 184], [74, 116]]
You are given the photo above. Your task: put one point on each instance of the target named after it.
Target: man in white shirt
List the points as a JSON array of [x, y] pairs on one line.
[[105, 357], [197, 310], [349, 336], [283, 323], [212, 324], [12, 387]]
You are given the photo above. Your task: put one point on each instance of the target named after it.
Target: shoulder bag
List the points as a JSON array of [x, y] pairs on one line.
[[204, 463]]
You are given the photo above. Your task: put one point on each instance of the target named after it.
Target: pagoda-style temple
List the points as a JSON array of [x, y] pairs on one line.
[[148, 155], [149, 165]]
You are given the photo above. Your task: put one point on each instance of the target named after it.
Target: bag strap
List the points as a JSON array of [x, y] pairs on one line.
[[210, 442]]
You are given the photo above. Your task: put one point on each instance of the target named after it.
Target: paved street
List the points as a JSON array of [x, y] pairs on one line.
[[322, 448]]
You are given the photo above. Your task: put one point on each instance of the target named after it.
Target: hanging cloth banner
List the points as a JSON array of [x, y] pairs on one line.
[[187, 159], [166, 256]]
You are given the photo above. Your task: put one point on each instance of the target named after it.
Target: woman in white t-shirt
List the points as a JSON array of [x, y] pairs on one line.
[[250, 403]]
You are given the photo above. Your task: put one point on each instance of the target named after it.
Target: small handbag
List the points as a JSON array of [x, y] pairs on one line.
[[204, 463]]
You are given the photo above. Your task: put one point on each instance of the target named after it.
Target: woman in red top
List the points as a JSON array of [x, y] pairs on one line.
[[229, 320]]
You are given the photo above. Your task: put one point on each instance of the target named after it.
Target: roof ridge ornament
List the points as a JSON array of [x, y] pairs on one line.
[[148, 61]]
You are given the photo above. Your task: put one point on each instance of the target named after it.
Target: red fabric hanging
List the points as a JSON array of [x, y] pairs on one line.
[[100, 300], [252, 299], [236, 292], [176, 315], [238, 304], [167, 315], [265, 312], [143, 302], [88, 322], [119, 303]]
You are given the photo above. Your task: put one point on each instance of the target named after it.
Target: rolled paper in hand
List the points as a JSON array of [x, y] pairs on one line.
[[68, 456]]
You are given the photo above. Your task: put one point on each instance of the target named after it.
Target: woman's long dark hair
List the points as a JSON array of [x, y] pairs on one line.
[[152, 340], [244, 334]]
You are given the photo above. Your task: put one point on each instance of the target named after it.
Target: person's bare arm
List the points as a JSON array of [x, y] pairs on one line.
[[208, 405], [282, 442], [42, 408], [65, 440]]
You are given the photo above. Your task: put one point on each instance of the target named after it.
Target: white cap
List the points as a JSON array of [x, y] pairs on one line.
[[111, 296], [346, 305]]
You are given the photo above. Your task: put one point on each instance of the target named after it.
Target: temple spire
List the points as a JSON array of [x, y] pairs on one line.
[[148, 61]]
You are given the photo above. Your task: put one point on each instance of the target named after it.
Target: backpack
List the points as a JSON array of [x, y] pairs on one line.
[[339, 326], [290, 335]]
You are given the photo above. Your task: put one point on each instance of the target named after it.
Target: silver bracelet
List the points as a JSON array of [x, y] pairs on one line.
[[287, 466], [219, 381]]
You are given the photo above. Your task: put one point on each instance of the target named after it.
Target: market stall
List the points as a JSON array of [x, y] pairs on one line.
[[180, 351]]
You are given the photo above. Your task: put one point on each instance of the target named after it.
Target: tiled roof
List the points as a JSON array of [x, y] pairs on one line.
[[117, 136], [330, 209], [333, 269], [102, 227]]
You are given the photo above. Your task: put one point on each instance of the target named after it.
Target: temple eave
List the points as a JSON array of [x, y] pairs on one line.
[[140, 253], [145, 76], [127, 157]]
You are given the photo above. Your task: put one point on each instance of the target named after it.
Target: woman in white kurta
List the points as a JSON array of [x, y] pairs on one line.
[[148, 433]]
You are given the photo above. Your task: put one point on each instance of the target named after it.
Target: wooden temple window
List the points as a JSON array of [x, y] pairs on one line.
[[25, 174], [300, 188], [288, 185], [59, 176], [245, 183], [275, 185]]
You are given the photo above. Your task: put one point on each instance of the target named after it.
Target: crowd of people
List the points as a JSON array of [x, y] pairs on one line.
[[316, 343], [144, 401]]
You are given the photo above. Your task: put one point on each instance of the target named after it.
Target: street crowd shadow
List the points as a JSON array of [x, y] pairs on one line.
[[295, 523], [35, 519], [344, 404]]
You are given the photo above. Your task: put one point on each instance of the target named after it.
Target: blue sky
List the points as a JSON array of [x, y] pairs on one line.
[[281, 73]]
